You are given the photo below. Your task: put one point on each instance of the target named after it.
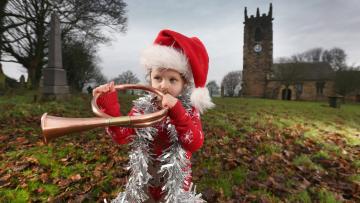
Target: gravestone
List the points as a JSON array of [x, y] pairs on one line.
[[54, 76], [22, 81]]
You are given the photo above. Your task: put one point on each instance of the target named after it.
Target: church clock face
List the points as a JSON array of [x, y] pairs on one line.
[[257, 48]]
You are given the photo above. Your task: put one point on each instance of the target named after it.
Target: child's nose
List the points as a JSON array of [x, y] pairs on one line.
[[164, 84]]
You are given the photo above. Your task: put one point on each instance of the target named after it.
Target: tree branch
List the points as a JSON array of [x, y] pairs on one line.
[[11, 61]]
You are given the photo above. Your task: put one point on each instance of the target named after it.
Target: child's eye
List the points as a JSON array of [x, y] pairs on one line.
[[173, 80], [157, 78]]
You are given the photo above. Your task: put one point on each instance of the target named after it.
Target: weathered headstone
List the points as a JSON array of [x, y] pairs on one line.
[[54, 83], [22, 81]]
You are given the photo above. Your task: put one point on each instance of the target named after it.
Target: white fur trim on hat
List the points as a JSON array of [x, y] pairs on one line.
[[158, 56], [201, 99]]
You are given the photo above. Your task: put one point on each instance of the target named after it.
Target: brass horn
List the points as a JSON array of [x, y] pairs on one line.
[[53, 127]]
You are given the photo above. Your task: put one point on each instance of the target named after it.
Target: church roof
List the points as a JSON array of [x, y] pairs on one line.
[[304, 71]]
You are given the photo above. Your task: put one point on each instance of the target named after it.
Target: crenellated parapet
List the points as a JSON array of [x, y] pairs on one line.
[[258, 17]]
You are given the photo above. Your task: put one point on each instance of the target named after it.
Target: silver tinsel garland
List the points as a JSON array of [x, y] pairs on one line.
[[173, 161]]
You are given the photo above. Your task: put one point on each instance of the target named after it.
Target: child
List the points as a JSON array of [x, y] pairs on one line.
[[160, 155]]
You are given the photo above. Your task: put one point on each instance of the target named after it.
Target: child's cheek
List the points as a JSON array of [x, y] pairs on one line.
[[153, 84]]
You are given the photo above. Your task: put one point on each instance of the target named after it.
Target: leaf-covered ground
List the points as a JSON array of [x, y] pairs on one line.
[[255, 150]]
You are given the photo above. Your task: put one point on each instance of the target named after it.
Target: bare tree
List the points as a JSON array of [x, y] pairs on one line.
[[127, 77], [2, 27], [213, 88], [313, 55], [310, 56], [284, 60], [80, 62], [336, 57], [347, 81], [99, 77], [230, 82], [26, 27]]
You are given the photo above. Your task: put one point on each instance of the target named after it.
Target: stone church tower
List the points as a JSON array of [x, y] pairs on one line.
[[257, 52]]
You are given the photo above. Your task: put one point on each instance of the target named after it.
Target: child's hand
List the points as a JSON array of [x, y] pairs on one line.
[[104, 88], [168, 101]]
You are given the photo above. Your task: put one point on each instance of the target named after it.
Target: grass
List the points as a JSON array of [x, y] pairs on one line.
[[322, 154], [326, 196], [305, 161], [247, 143], [356, 163], [262, 175], [267, 149], [264, 194], [355, 178], [17, 195], [239, 175], [301, 197]]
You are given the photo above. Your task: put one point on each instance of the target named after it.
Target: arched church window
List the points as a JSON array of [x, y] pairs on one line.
[[320, 88], [299, 87], [258, 35]]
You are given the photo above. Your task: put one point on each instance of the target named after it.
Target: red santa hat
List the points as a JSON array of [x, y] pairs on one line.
[[186, 55]]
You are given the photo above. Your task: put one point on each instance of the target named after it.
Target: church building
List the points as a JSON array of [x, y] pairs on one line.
[[289, 81]]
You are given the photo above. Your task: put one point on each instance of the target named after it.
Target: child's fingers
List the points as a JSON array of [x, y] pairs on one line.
[[165, 102], [168, 101], [97, 90], [112, 86], [101, 89]]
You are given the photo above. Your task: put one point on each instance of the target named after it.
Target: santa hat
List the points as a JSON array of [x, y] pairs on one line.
[[186, 55]]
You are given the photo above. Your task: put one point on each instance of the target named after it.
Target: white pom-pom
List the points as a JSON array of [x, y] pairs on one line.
[[200, 99]]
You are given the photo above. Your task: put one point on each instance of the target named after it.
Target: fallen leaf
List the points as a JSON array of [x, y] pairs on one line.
[[98, 171], [64, 182], [75, 177], [20, 166], [3, 138], [40, 190], [22, 140], [32, 160], [4, 179], [44, 177]]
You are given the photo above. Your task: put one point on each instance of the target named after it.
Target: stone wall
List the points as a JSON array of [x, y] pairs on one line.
[[309, 92]]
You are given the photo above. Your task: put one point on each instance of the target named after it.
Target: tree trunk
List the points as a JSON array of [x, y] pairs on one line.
[[34, 72], [31, 77]]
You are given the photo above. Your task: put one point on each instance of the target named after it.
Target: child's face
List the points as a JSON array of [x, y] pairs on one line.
[[167, 81]]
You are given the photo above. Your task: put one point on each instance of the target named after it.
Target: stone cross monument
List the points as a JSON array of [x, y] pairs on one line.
[[54, 76]]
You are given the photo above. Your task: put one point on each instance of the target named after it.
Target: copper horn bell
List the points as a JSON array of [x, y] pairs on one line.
[[53, 127]]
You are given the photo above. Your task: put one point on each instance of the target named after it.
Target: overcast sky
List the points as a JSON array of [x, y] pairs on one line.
[[297, 27]]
